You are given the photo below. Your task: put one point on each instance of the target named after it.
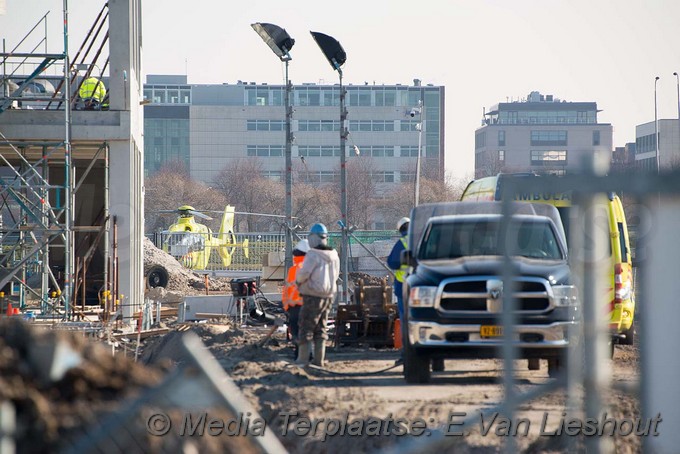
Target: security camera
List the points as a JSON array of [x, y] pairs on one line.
[[413, 113]]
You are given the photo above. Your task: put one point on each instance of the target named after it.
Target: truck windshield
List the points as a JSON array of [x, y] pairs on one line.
[[451, 240]]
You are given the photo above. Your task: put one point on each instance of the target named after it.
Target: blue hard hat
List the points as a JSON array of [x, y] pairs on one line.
[[319, 229]]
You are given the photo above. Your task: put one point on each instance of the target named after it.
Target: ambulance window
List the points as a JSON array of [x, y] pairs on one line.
[[622, 243]]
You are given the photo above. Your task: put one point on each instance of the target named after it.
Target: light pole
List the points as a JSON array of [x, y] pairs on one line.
[[656, 129], [420, 111], [281, 43], [336, 56], [677, 83]]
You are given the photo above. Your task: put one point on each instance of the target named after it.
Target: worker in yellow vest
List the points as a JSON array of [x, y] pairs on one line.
[[92, 92], [394, 262]]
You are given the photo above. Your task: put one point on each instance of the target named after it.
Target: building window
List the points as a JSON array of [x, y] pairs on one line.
[[318, 150], [265, 125], [409, 125], [548, 158], [382, 177], [547, 138], [596, 137], [320, 176], [501, 138], [264, 150], [407, 177], [645, 144], [318, 125], [275, 175], [377, 151], [371, 125], [409, 151], [480, 140], [501, 155]]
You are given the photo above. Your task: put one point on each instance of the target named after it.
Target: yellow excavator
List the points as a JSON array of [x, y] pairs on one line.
[[192, 243]]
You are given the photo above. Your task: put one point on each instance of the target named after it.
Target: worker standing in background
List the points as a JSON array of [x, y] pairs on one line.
[[317, 283], [92, 92], [291, 298], [394, 262]]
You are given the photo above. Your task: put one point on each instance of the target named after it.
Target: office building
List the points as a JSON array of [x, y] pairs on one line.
[[669, 145], [207, 127], [539, 134]]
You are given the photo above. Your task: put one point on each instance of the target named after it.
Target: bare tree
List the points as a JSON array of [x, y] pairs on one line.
[[314, 204], [361, 189], [241, 183], [170, 188]]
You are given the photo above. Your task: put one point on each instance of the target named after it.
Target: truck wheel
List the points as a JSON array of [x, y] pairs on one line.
[[534, 363], [554, 367], [438, 365], [630, 336], [157, 277], [416, 367]]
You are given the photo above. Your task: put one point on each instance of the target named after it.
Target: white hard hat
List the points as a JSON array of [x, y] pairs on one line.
[[401, 222], [302, 246]]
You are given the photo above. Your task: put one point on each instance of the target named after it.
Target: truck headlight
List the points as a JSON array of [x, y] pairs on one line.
[[565, 295], [422, 296]]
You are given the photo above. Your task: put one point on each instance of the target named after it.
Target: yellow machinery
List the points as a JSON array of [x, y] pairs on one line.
[[192, 243]]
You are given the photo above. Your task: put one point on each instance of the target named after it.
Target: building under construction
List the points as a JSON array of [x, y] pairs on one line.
[[68, 239]]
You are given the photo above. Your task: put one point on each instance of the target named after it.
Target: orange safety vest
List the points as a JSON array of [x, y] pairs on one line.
[[290, 295]]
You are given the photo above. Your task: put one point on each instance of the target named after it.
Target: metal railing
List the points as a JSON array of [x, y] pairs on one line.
[[252, 252]]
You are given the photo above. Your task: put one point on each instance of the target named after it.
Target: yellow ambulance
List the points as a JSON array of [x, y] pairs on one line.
[[621, 294]]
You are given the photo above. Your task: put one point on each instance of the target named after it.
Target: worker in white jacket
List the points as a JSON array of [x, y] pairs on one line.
[[317, 283]]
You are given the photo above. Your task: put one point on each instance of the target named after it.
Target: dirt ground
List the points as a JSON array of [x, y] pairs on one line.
[[349, 391]]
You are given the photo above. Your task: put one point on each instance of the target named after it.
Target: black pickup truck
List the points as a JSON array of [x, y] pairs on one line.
[[454, 293]]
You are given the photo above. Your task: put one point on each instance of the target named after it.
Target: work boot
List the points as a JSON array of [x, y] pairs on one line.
[[319, 352], [303, 353]]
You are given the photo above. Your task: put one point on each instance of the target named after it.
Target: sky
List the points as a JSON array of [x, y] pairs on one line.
[[482, 51]]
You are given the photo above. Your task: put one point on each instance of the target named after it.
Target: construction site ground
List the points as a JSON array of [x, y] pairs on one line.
[[348, 391], [94, 382]]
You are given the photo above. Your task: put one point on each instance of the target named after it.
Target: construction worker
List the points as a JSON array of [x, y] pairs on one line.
[[394, 262], [317, 282], [291, 299], [92, 92]]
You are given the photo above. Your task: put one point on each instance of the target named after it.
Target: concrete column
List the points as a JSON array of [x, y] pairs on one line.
[[126, 160]]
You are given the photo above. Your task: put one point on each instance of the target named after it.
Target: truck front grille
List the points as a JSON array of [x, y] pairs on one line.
[[471, 295]]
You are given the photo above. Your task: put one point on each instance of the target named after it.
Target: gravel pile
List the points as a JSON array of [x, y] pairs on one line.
[[181, 280]]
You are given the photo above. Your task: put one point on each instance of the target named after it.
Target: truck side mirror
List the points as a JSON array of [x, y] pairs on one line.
[[407, 258]]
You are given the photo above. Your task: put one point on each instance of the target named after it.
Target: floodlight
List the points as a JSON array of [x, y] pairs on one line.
[[331, 48], [276, 38]]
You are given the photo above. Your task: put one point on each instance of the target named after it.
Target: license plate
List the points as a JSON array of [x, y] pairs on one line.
[[491, 331]]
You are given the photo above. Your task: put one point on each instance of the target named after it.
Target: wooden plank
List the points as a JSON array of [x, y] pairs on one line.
[[143, 334]]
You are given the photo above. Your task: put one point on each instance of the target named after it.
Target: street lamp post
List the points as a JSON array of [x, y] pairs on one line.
[[419, 127], [656, 129], [336, 56], [677, 83], [281, 43]]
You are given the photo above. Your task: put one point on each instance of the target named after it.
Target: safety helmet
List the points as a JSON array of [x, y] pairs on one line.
[[401, 222], [319, 229], [302, 246]]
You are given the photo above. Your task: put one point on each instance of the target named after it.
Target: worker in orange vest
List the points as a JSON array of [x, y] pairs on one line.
[[291, 298]]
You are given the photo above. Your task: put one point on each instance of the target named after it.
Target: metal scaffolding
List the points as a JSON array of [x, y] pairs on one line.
[[38, 184]]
